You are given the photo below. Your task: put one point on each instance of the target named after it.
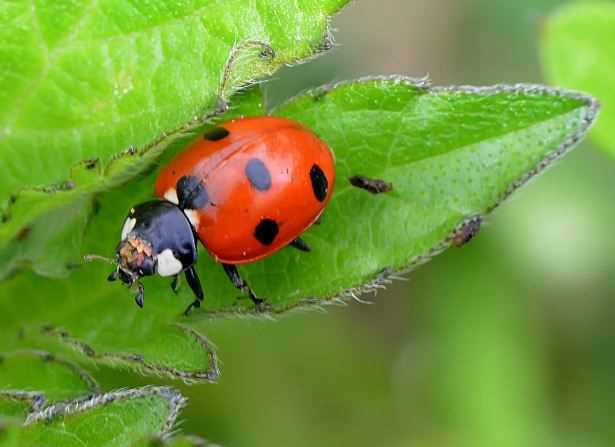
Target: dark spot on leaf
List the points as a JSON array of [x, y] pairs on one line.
[[72, 266], [266, 231], [319, 96], [467, 231], [267, 53], [258, 174], [24, 233], [91, 163], [320, 184], [216, 134], [373, 185]]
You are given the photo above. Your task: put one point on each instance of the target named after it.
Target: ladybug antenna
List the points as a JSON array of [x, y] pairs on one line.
[[90, 258]]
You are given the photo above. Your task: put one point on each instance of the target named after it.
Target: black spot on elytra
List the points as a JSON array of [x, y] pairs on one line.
[[320, 184], [191, 193], [258, 174], [266, 231], [216, 134]]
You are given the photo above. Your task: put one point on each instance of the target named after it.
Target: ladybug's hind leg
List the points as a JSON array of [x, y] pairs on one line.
[[195, 285], [300, 244], [242, 285]]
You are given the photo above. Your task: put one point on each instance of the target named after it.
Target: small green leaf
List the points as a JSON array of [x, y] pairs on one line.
[[452, 154], [179, 441], [579, 52], [118, 418], [82, 82], [29, 381]]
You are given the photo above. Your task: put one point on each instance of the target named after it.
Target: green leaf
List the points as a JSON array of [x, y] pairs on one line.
[[579, 52], [82, 82], [29, 381], [452, 154], [118, 418], [179, 441], [50, 245]]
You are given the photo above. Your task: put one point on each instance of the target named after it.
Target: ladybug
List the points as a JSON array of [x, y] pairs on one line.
[[245, 190]]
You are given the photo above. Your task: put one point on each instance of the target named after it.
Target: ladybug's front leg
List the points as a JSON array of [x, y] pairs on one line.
[[140, 294], [242, 285], [175, 283]]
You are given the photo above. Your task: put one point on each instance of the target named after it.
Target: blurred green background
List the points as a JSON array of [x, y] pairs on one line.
[[505, 342]]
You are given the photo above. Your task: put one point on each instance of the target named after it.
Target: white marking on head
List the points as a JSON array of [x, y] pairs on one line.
[[168, 265], [128, 226], [171, 196], [193, 217]]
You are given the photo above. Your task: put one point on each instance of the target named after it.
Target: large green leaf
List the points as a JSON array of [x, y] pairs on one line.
[[119, 418], [452, 154], [579, 52], [82, 82]]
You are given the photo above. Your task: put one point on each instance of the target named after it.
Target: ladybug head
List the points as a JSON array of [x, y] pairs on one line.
[[134, 258]]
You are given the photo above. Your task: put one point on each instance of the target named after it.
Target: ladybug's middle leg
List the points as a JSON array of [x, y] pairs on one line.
[[241, 284], [195, 285]]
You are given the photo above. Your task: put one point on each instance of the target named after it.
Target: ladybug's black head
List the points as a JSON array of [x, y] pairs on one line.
[[135, 258]]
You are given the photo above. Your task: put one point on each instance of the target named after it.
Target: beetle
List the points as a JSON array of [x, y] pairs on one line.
[[246, 189]]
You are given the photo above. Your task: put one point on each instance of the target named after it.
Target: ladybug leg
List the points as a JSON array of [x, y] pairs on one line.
[[175, 283], [300, 244], [112, 276], [139, 297], [241, 284], [195, 284]]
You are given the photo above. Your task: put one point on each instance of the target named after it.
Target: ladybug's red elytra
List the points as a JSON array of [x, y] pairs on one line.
[[246, 189]]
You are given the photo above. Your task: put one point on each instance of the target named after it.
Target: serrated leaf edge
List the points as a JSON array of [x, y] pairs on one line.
[[175, 399], [38, 399], [136, 362]]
